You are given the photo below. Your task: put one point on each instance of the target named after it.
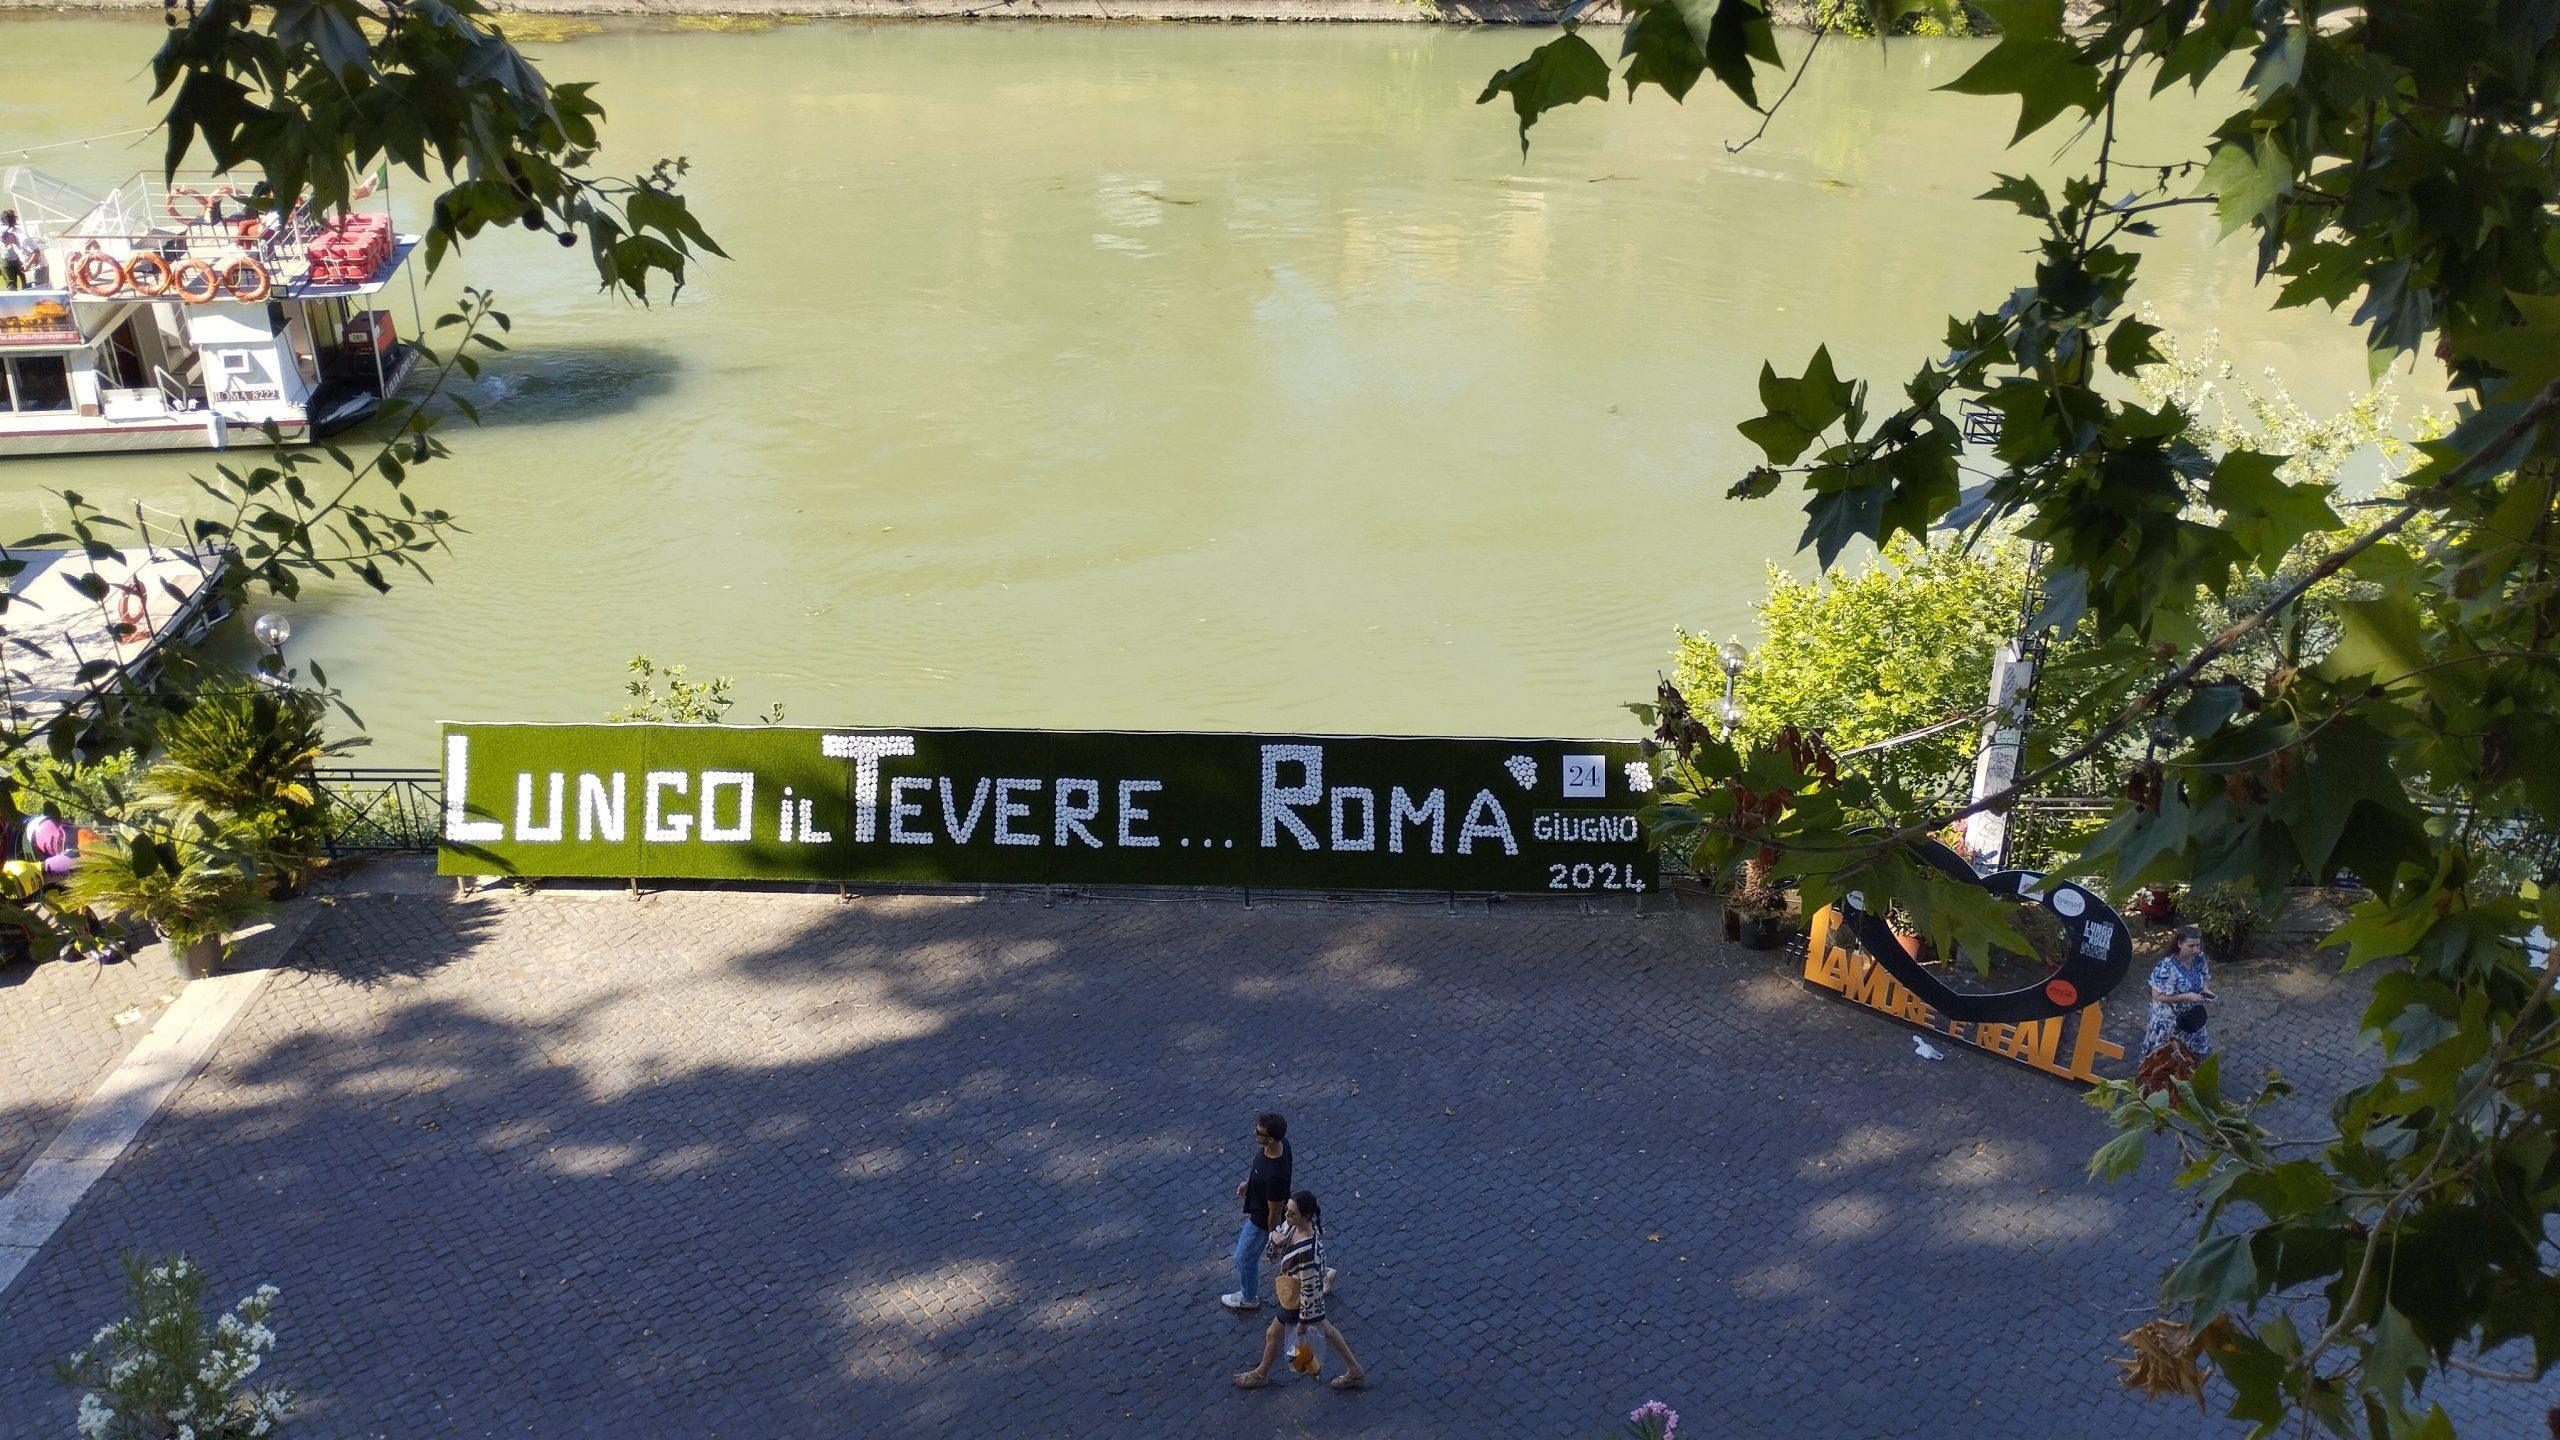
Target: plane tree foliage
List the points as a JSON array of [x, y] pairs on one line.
[[296, 103], [2397, 161]]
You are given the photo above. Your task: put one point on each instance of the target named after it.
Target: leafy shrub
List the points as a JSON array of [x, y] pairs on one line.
[[682, 701], [185, 875], [161, 1371], [244, 751], [2227, 914], [1869, 18], [85, 791]]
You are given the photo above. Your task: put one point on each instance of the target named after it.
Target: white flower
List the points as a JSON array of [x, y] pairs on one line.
[[185, 1432], [95, 1417], [267, 1292], [122, 1370]]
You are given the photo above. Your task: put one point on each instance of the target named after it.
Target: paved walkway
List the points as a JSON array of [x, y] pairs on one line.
[[712, 1164], [64, 1025]]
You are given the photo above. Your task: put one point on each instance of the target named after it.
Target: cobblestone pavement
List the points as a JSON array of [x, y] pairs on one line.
[[711, 1164], [63, 1025]]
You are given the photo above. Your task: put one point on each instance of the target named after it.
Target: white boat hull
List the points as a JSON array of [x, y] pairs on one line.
[[81, 435]]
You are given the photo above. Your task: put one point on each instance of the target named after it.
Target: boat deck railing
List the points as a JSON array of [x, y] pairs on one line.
[[200, 217]]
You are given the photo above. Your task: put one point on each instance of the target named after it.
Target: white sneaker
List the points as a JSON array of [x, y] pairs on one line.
[[1235, 1300]]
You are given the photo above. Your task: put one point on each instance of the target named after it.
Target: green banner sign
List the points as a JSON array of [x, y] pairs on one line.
[[1313, 812]]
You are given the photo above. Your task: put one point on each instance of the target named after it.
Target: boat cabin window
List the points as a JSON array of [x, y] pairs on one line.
[[37, 382]]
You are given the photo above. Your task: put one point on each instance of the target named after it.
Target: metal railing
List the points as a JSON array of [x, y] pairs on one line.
[[382, 812]]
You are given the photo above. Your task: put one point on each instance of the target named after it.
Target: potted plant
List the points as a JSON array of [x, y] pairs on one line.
[[179, 871], [246, 750], [1753, 910]]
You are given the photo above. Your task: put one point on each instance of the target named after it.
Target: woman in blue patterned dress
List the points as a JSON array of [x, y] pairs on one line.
[[2181, 984]]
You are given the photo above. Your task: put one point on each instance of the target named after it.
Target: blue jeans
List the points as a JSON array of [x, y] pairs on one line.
[[1250, 1239]]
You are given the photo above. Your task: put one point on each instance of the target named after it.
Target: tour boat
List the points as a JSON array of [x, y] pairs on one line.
[[182, 316]]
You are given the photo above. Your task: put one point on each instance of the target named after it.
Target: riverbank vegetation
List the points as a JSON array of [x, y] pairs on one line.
[[2393, 162]]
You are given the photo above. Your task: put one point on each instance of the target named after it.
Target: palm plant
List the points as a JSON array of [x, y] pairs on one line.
[[246, 751], [189, 875]]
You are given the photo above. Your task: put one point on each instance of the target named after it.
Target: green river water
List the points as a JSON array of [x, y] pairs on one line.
[[1146, 376]]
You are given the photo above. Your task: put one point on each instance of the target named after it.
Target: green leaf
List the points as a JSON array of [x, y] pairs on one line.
[[2033, 62], [2219, 1276], [2528, 351], [2118, 1157], [2381, 641], [1799, 410], [2028, 195], [2248, 180], [1560, 72], [1661, 48], [2267, 516], [2130, 348], [1737, 38], [2394, 1356]]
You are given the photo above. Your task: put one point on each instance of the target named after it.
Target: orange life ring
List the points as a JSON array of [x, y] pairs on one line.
[[133, 610], [97, 273], [158, 284], [179, 192], [262, 282], [195, 282]]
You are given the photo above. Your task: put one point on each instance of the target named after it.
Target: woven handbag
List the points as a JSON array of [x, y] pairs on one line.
[[1285, 1289]]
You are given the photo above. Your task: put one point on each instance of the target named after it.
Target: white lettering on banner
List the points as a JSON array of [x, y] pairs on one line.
[[459, 827], [1498, 828], [958, 829], [742, 781], [1299, 812], [600, 811], [1401, 811], [901, 810], [1007, 811], [1131, 813], [1589, 829], [1367, 839], [654, 826], [1072, 815], [1277, 798], [526, 830], [866, 752]]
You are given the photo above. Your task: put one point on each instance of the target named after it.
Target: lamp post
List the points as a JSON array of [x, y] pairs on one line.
[[272, 630], [1730, 656]]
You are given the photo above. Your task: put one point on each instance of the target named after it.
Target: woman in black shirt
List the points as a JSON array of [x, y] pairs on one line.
[[1265, 1193]]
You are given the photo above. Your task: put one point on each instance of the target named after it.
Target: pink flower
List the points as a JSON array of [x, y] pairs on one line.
[[1654, 1410]]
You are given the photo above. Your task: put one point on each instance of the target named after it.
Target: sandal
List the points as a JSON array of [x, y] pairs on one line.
[[1247, 1380], [1351, 1382]]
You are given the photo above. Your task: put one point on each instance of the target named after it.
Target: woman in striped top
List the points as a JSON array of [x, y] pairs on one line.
[[1296, 1249]]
